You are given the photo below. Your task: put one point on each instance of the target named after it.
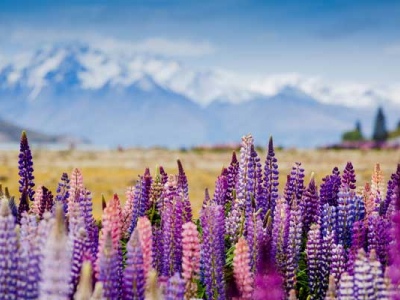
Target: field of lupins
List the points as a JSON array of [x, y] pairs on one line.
[[253, 240]]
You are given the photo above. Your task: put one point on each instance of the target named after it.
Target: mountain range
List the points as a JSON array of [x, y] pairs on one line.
[[143, 100]]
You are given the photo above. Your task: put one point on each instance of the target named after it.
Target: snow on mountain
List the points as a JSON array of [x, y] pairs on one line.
[[139, 99]]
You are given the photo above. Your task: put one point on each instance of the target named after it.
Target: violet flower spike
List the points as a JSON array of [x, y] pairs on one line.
[[175, 289]]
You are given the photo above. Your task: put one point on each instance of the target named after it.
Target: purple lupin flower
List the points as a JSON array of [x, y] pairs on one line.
[[378, 236], [363, 278], [108, 265], [328, 219], [279, 233], [63, 192], [157, 249], [26, 184], [392, 194], [46, 201], [164, 176], [271, 178], [53, 283], [232, 176], [293, 245], [134, 276], [313, 251], [346, 214], [184, 188], [358, 241], [311, 205], [175, 289], [330, 188], [86, 206], [78, 251], [379, 289], [246, 168], [256, 183], [212, 251], [221, 188], [29, 256], [141, 198], [171, 225], [8, 252], [349, 177], [346, 287], [338, 262], [254, 237], [295, 185]]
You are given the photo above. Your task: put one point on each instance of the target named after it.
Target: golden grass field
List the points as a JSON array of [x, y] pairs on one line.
[[108, 172]]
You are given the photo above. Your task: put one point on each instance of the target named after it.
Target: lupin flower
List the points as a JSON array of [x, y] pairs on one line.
[[363, 278], [212, 251], [293, 244], [232, 176], [184, 188], [8, 249], [377, 183], [271, 178], [134, 281], [311, 204], [108, 268], [146, 242], [63, 191], [35, 208], [295, 185], [241, 270], [346, 287], [53, 283], [26, 184], [76, 186], [313, 251], [379, 289], [175, 289], [330, 188], [190, 258], [349, 177], [392, 194], [127, 211], [221, 188], [338, 262], [280, 233], [378, 236], [78, 250], [331, 293]]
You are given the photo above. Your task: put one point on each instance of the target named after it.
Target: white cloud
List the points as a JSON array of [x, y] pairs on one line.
[[392, 49]]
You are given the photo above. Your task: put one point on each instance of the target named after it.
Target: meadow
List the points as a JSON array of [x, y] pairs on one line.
[[113, 171]]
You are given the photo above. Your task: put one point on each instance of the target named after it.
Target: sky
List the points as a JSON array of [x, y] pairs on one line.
[[346, 41]]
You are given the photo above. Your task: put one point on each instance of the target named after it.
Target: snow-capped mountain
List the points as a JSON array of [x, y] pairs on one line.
[[146, 100]]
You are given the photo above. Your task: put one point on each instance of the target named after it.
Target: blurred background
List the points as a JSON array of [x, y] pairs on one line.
[[188, 73], [95, 82]]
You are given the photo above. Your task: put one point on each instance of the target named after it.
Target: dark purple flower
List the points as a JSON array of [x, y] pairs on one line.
[[349, 177], [295, 184], [330, 188], [310, 205], [25, 165], [184, 188]]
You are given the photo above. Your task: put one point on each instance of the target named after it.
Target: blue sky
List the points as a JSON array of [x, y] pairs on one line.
[[357, 41]]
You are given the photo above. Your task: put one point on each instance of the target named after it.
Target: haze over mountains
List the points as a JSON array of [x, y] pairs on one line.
[[144, 100]]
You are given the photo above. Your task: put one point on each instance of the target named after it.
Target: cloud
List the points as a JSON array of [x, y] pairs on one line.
[[392, 49], [156, 45]]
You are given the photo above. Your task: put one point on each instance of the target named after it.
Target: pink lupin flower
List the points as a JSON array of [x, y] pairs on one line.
[[146, 241], [190, 258], [112, 220], [127, 212], [76, 186], [36, 200], [241, 270]]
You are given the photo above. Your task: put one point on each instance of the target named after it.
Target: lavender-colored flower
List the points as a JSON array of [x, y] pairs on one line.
[[212, 251], [271, 179], [363, 278], [134, 276], [295, 185], [141, 198], [338, 262], [184, 188], [280, 229], [53, 283], [293, 245], [232, 176], [8, 250], [346, 287], [313, 251], [63, 192], [392, 194], [349, 177], [328, 219], [175, 289], [220, 194], [380, 290], [78, 249], [108, 265], [346, 215], [157, 249]]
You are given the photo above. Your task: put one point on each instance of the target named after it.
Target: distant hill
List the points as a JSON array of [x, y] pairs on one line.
[[11, 133]]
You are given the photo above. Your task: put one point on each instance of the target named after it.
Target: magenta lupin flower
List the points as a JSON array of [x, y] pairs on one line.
[[190, 258], [241, 270]]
